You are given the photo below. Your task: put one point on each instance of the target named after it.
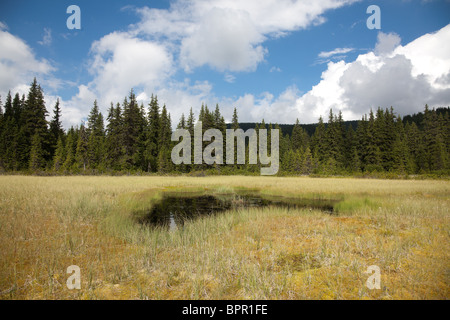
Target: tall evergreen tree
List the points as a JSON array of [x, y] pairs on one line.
[[299, 137], [235, 120], [113, 143], [96, 137], [191, 122], [59, 158], [165, 143], [133, 126], [70, 149], [153, 138], [373, 153], [219, 121], [56, 129], [81, 155], [182, 123], [401, 161], [37, 160], [318, 141], [435, 149], [8, 113], [8, 136], [17, 109], [35, 120]]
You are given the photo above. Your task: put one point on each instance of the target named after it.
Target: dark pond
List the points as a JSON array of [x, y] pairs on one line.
[[173, 210]]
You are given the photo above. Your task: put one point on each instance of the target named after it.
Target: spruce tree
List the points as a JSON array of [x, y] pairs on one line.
[[307, 162], [81, 155], [182, 123], [285, 147], [164, 156], [235, 120], [318, 141], [59, 158], [113, 143], [153, 139], [297, 136], [34, 115], [373, 152], [37, 160], [133, 126], [70, 150], [17, 109], [96, 137], [436, 154], [401, 162], [56, 129], [362, 140], [190, 124], [8, 113], [8, 136]]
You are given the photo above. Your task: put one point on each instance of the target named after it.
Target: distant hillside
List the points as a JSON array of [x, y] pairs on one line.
[[287, 128], [310, 128], [418, 117]]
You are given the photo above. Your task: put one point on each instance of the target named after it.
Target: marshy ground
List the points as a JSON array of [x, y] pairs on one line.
[[50, 223]]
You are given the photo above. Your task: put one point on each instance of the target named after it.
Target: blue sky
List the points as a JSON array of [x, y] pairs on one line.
[[277, 60]]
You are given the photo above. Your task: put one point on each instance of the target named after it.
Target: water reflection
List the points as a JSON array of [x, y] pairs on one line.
[[174, 209]]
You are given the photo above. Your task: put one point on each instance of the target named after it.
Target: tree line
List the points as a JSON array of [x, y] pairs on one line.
[[137, 139]]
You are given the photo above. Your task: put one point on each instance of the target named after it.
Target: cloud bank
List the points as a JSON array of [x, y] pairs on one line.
[[405, 77]]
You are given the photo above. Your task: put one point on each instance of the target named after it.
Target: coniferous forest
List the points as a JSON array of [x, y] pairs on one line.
[[136, 139]]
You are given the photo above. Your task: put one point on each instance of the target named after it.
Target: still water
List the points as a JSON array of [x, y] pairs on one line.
[[174, 209]]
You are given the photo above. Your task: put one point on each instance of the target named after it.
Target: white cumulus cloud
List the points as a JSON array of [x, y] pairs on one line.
[[121, 62], [18, 64], [229, 35], [405, 77]]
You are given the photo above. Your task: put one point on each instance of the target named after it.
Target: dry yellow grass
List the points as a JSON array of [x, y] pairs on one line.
[[50, 223]]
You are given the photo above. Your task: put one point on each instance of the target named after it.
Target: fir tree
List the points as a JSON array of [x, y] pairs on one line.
[[17, 109], [35, 122], [37, 160], [153, 138], [70, 149], [191, 122], [307, 162], [133, 126], [113, 143], [318, 141], [182, 123], [81, 155], [59, 158], [164, 156], [96, 137], [235, 120], [373, 152], [8, 113], [56, 129], [297, 136]]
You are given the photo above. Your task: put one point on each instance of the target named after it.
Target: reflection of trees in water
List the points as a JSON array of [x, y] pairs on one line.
[[173, 211]]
